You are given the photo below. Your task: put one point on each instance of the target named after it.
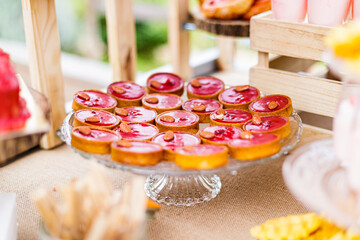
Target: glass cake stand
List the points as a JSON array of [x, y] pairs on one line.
[[317, 179], [171, 185]]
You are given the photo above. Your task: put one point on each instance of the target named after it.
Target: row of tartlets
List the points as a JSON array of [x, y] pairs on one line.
[[144, 129]]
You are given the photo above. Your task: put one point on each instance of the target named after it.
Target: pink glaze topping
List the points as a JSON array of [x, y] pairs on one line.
[[165, 101], [223, 134], [138, 115], [141, 147], [209, 86], [261, 105], [139, 131], [258, 139], [211, 105], [169, 82], [97, 100], [232, 97], [202, 150], [180, 140], [132, 90], [98, 135], [232, 116], [268, 123], [182, 118], [106, 118]]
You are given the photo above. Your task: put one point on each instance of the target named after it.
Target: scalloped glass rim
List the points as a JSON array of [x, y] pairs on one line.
[[170, 168], [317, 179]]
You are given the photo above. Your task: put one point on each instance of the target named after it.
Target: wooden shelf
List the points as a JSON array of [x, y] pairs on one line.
[[230, 28], [299, 44]]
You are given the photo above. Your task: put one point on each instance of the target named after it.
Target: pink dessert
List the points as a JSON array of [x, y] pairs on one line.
[[139, 131], [165, 82], [128, 90], [222, 134], [13, 111], [231, 116], [262, 104], [165, 101], [98, 135], [231, 96], [268, 124], [202, 150], [138, 115], [208, 86], [210, 105], [105, 118], [180, 139], [181, 118], [97, 99], [257, 139], [141, 147]]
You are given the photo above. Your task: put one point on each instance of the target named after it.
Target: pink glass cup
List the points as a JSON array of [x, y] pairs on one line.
[[328, 12], [289, 10], [356, 9]]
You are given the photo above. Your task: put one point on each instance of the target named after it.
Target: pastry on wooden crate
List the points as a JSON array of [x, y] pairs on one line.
[[178, 121], [230, 117], [202, 107], [93, 99], [162, 102], [201, 157], [239, 97], [93, 139], [136, 115], [206, 87], [136, 152], [252, 146], [225, 9], [277, 125], [258, 7], [96, 118], [275, 105], [171, 140], [219, 135], [126, 93], [137, 131], [165, 83]]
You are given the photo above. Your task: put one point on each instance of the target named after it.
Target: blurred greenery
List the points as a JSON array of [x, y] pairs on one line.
[[151, 36]]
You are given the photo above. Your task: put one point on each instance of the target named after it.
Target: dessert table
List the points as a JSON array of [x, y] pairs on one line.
[[247, 199]]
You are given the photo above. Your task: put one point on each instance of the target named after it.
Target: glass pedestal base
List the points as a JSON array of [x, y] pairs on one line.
[[182, 190]]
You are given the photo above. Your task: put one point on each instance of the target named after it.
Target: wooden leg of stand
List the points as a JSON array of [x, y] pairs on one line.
[[263, 59], [179, 38], [43, 43], [121, 39], [227, 49]]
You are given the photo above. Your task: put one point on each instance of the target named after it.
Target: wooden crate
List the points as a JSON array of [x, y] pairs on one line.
[[301, 44]]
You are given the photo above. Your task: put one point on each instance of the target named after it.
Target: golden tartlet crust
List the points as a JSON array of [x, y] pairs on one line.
[[203, 162], [142, 159], [91, 146]]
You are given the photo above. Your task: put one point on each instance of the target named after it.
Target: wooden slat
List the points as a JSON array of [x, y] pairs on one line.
[[227, 49], [120, 23], [286, 38], [42, 40], [179, 38], [310, 94], [290, 64]]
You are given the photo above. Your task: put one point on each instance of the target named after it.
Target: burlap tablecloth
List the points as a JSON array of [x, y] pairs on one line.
[[253, 196]]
